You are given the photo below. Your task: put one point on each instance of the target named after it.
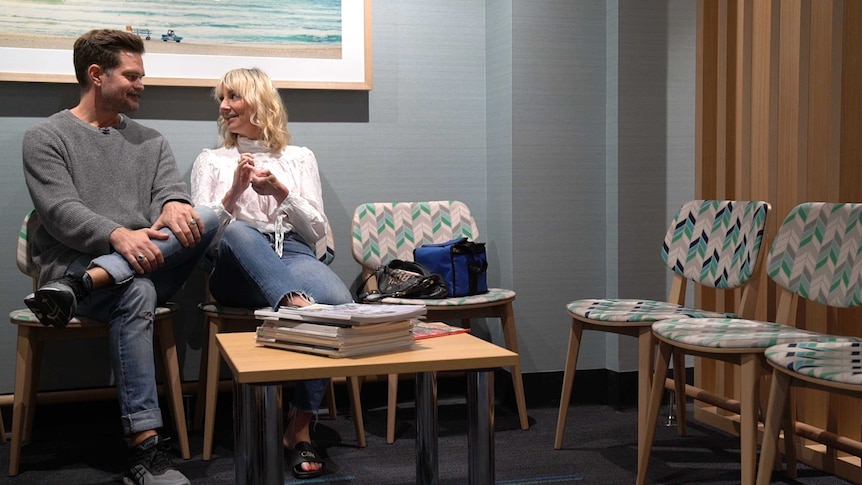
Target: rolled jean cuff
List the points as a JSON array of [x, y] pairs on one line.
[[142, 421]]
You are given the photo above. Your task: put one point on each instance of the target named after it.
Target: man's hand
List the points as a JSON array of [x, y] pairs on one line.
[[183, 221], [138, 248]]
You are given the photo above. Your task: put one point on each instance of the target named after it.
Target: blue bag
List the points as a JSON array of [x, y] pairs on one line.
[[462, 264]]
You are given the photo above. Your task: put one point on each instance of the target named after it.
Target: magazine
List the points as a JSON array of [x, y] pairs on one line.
[[333, 336], [347, 314], [355, 351], [422, 330]]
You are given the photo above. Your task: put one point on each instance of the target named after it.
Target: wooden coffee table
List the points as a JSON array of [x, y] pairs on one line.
[[259, 371]]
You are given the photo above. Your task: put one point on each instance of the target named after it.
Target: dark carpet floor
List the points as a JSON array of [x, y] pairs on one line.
[[80, 444]]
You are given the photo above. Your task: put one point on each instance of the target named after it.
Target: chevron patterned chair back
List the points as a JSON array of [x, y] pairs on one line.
[[713, 243], [383, 231], [815, 255], [31, 334]]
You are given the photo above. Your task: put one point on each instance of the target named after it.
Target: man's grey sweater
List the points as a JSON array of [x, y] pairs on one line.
[[85, 182]]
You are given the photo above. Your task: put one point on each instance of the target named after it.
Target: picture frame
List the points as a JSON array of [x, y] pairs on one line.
[[352, 71]]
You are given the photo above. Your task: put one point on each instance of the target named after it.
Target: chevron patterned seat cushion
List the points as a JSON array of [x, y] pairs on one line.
[[734, 333], [493, 295], [629, 310], [26, 316], [839, 362]]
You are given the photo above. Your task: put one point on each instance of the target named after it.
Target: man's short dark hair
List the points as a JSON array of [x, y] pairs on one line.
[[103, 47]]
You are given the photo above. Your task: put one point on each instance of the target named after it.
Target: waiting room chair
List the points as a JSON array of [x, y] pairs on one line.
[[220, 319], [712, 243], [32, 335], [813, 256], [832, 367], [383, 231]]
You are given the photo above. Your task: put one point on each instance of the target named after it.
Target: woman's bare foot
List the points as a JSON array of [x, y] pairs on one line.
[[295, 299], [299, 430]]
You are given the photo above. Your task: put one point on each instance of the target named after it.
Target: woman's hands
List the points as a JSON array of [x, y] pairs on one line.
[[265, 182], [261, 181]]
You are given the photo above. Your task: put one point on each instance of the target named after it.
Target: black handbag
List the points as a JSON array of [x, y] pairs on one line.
[[403, 279]]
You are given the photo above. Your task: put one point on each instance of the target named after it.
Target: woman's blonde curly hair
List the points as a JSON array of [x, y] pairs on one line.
[[261, 97]]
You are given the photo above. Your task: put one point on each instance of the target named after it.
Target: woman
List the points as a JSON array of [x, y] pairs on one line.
[[269, 194]]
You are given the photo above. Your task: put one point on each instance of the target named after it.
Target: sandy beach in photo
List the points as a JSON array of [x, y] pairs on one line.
[[156, 45]]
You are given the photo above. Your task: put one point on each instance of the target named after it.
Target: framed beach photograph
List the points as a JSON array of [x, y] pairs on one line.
[[301, 44]]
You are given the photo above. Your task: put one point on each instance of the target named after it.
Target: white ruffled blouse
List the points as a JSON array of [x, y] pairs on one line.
[[295, 167]]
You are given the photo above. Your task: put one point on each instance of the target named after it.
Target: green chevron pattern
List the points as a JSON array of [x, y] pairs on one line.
[[816, 253], [712, 242], [643, 311], [716, 242], [384, 231], [839, 362], [730, 333]]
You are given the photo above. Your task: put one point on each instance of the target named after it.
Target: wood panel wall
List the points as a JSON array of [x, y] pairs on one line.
[[779, 118]]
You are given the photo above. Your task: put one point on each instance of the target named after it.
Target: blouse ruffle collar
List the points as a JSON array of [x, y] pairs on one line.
[[247, 145]]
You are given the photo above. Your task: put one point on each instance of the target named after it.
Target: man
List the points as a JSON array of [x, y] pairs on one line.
[[118, 234]]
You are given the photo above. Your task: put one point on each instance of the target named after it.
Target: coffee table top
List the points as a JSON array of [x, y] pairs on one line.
[[253, 364]]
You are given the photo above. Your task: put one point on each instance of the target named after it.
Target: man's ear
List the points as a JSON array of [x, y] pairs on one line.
[[94, 73]]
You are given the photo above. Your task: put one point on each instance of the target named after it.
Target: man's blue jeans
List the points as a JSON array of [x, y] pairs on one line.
[[249, 273], [129, 307]]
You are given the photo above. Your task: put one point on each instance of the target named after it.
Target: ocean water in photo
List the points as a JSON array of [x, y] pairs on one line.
[[274, 22]]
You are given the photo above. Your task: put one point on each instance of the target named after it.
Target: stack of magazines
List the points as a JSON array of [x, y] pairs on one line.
[[347, 330]]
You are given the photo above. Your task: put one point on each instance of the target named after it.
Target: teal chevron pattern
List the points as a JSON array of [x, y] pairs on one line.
[[716, 242], [839, 362], [816, 253], [643, 311], [731, 333], [383, 231]]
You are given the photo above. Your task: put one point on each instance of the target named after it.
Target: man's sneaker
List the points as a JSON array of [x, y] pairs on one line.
[[55, 302], [149, 464]]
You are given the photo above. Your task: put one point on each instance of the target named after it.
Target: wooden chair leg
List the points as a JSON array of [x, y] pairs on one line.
[[777, 408], [748, 416], [789, 425], [173, 381], [211, 390], [679, 391], [200, 397], [391, 404], [656, 393], [24, 398], [510, 335], [568, 380], [646, 358], [356, 409], [330, 400], [2, 430]]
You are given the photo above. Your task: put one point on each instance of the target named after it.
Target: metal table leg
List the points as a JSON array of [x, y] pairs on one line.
[[257, 430], [426, 429], [480, 404]]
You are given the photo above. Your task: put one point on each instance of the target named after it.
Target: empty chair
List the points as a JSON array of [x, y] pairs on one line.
[[815, 248], [714, 243], [833, 367]]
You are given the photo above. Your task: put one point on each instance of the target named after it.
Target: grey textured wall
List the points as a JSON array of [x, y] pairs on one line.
[[503, 105]]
